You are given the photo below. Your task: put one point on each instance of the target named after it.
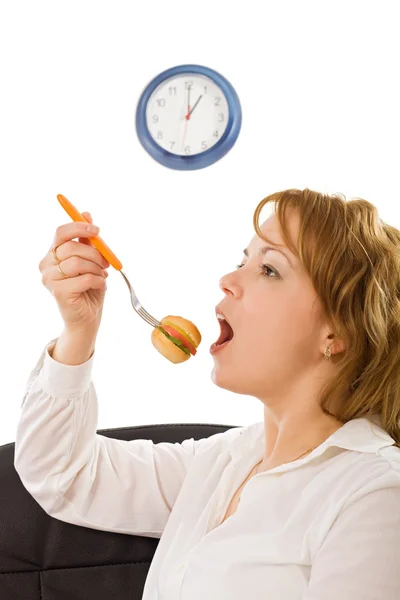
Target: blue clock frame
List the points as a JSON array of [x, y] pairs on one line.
[[210, 156]]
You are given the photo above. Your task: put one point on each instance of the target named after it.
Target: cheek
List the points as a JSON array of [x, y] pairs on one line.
[[278, 324]]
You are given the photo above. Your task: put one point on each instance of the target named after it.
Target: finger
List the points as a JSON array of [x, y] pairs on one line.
[[82, 283], [78, 250], [87, 216], [74, 266], [70, 231]]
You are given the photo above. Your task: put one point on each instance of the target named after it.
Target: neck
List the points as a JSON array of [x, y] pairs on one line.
[[290, 436]]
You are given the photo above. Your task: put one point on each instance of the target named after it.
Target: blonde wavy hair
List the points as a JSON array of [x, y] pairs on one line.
[[353, 260]]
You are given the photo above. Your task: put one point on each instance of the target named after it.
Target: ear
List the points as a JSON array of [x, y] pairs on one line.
[[337, 346]]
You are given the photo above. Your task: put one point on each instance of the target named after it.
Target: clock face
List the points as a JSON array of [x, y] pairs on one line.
[[187, 114]]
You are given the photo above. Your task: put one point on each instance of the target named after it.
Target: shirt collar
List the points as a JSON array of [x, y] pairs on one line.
[[358, 435]]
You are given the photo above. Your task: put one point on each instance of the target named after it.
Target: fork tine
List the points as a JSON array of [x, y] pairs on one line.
[[139, 312], [151, 320], [137, 306], [149, 316], [142, 313]]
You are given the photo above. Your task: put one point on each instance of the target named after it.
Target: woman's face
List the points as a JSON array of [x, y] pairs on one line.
[[275, 315]]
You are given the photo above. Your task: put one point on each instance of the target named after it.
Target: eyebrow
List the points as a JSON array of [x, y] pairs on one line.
[[265, 249]]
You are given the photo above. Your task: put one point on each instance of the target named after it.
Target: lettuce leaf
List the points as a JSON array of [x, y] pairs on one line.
[[175, 341]]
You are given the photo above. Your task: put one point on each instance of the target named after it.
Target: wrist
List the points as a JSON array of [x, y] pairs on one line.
[[74, 347]]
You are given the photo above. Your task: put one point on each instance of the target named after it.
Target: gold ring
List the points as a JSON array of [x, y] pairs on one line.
[[62, 272], [54, 251]]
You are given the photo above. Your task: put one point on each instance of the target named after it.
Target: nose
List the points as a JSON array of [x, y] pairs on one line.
[[229, 285]]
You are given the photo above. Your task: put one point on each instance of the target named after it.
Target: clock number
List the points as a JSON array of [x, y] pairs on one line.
[[172, 144], [188, 85], [159, 135], [216, 134], [172, 91], [187, 150], [220, 117], [161, 101], [204, 145], [155, 119], [217, 101], [205, 89]]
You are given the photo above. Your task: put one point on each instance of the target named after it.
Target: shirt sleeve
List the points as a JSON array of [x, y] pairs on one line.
[[360, 556], [84, 478]]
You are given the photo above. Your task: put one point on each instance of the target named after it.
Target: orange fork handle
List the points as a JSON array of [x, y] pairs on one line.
[[96, 241]]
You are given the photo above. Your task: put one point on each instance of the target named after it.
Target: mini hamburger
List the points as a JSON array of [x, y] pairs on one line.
[[176, 338]]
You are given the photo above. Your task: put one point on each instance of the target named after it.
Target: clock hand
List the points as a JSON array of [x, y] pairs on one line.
[[184, 136], [189, 114], [189, 101]]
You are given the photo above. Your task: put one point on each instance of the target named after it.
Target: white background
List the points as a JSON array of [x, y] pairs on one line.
[[318, 83]]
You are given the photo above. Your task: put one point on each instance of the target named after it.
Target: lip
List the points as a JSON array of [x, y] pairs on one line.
[[214, 349]]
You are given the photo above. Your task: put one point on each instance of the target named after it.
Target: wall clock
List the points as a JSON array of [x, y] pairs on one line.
[[188, 117]]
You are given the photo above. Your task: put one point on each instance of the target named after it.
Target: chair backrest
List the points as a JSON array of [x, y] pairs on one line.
[[43, 557]]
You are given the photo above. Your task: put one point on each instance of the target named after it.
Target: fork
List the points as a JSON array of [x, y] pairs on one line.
[[109, 255]]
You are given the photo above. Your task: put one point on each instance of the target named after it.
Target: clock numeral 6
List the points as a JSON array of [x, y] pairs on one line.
[[187, 150]]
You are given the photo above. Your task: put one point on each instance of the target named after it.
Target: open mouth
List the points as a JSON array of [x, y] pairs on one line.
[[226, 332]]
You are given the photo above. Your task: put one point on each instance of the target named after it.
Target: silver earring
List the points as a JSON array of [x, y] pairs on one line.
[[328, 352]]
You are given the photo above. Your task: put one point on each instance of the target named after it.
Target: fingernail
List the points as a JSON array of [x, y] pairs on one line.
[[92, 229]]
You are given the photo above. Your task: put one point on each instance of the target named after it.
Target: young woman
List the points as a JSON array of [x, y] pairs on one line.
[[302, 506]]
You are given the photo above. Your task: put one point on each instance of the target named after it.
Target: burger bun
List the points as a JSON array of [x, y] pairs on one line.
[[166, 347]]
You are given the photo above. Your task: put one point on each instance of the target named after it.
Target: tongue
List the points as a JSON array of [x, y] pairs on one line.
[[226, 333]]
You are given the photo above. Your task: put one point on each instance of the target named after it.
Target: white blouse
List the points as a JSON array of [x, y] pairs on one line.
[[325, 527]]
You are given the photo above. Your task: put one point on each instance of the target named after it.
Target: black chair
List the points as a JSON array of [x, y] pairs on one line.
[[44, 558]]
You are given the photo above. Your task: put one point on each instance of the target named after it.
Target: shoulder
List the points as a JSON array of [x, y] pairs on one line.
[[379, 472], [220, 441], [351, 475]]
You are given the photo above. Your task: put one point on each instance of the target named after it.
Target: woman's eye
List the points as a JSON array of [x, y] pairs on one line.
[[264, 269]]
